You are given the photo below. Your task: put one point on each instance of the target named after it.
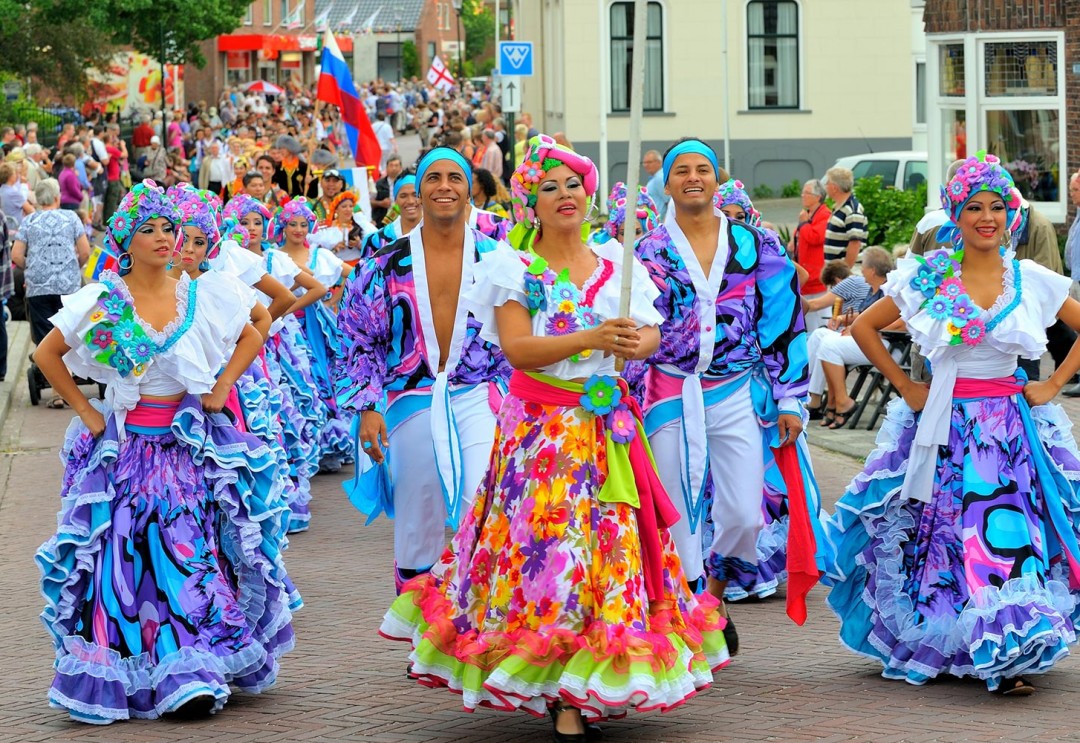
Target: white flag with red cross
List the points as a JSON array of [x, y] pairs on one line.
[[440, 76]]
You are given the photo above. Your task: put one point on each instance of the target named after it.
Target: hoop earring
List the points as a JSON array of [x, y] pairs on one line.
[[1006, 245], [124, 265]]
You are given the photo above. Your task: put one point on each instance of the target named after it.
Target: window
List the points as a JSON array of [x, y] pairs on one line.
[[915, 174], [772, 43], [920, 93], [249, 15], [952, 82], [389, 61], [1028, 143], [268, 12], [431, 50], [1021, 68], [870, 168], [622, 53], [284, 11]]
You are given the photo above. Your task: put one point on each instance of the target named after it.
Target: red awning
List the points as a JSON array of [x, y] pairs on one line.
[[275, 43]]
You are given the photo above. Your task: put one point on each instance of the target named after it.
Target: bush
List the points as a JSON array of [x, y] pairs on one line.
[[410, 61], [791, 190], [763, 192], [891, 214]]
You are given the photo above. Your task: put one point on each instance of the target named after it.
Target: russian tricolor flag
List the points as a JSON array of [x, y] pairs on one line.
[[336, 86]]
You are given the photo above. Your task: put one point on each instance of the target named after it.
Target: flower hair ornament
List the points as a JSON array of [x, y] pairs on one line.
[[241, 205], [980, 173], [645, 210], [543, 154], [197, 209], [231, 230], [145, 201], [298, 207], [733, 192]]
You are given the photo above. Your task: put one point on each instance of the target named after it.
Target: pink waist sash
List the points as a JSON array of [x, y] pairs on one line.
[[966, 388], [151, 416]]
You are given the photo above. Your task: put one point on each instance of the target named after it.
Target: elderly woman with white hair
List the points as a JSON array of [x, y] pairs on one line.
[[50, 246], [808, 248]]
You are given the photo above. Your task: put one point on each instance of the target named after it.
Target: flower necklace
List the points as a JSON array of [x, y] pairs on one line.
[[947, 299]]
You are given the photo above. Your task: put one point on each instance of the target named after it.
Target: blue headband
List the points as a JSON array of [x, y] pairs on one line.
[[405, 180], [690, 145], [442, 153]]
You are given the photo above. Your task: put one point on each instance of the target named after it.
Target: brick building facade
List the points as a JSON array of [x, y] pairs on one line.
[[1001, 78]]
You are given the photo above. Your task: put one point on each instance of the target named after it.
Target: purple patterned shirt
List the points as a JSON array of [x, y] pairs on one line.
[[757, 315]]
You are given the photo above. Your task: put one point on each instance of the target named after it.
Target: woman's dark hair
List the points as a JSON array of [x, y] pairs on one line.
[[833, 272], [487, 183], [252, 175], [268, 159]]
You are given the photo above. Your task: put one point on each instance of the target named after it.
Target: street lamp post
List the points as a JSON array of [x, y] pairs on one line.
[[400, 53], [460, 69]]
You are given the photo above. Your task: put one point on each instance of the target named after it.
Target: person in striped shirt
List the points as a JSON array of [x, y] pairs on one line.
[[846, 233]]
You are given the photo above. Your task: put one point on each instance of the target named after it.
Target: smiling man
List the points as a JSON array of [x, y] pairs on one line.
[[407, 337], [730, 372]]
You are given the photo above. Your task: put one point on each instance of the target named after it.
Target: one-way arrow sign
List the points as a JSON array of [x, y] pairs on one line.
[[511, 94]]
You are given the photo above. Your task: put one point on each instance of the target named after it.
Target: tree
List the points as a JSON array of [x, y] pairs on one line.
[[49, 43], [410, 60], [169, 28], [478, 20]]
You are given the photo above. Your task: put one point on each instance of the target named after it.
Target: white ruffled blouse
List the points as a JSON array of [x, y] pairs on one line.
[[113, 345], [501, 275], [1016, 327]]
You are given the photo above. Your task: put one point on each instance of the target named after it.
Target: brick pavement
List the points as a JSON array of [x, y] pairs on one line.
[[345, 683]]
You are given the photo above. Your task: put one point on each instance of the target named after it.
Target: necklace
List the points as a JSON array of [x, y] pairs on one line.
[[946, 298]]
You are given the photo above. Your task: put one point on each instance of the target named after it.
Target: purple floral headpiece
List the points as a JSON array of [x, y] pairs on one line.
[[298, 207], [734, 192], [645, 211], [242, 204], [231, 229], [981, 173], [145, 201], [197, 207]]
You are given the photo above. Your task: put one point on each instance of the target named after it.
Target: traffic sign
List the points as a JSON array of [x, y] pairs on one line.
[[516, 58], [511, 94], [12, 89]]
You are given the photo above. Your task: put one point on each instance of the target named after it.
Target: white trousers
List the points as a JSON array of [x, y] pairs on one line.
[[841, 350], [419, 509], [736, 459], [817, 318], [813, 346]]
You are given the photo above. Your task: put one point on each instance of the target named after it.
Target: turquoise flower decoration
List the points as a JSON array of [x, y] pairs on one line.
[[602, 395], [535, 294], [940, 308], [927, 280], [963, 310]]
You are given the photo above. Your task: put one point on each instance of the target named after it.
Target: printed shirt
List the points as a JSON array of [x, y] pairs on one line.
[[52, 266], [747, 312], [388, 331]]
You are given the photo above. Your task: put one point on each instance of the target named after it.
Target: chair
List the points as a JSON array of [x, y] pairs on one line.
[[899, 344]]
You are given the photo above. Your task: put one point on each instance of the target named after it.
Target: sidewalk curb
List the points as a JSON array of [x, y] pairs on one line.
[[854, 443], [18, 348]]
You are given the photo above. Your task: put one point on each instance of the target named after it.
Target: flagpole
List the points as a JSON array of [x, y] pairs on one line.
[[633, 158]]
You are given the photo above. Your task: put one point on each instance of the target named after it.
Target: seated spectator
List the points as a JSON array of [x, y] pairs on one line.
[[832, 349]]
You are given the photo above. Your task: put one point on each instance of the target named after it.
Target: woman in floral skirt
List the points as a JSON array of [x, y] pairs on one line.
[[561, 592]]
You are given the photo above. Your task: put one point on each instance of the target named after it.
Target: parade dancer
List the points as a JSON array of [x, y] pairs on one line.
[[292, 225], [409, 214], [254, 401], [957, 545], [562, 593], [408, 337], [733, 200], [724, 387], [162, 585], [288, 363]]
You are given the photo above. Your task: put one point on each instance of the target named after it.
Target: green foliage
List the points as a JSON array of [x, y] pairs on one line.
[[762, 191], [47, 41], [478, 21], [156, 27], [485, 66], [891, 214], [784, 233], [410, 60], [791, 190]]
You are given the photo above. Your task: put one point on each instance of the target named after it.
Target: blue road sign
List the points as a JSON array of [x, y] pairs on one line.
[[516, 58]]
